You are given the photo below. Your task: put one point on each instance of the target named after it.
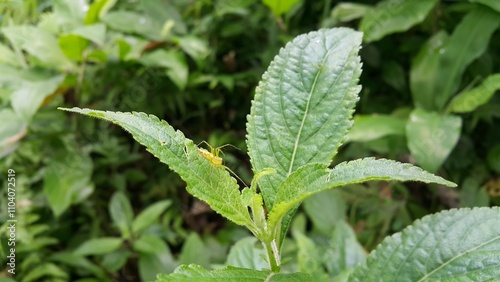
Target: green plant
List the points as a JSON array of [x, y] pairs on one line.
[[300, 116]]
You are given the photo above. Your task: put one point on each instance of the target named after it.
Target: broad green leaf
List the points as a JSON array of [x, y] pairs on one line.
[[174, 61], [98, 9], [469, 100], [314, 178], [468, 41], [303, 106], [132, 22], [325, 210], [38, 43], [279, 6], [494, 4], [67, 180], [344, 251], [98, 246], [455, 245], [205, 181], [308, 257], [29, 95], [431, 137], [345, 12], [195, 47], [372, 127], [114, 261], [121, 213], [424, 73], [194, 251], [392, 16], [150, 244], [163, 11], [70, 13], [149, 215], [73, 46], [150, 265], [8, 56], [95, 33], [246, 254], [195, 273]]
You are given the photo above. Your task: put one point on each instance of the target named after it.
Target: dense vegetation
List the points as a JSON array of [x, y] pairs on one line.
[[430, 72]]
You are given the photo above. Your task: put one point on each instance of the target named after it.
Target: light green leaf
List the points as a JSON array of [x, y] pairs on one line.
[[114, 261], [303, 105], [132, 22], [431, 137], [149, 215], [308, 257], [150, 244], [29, 96], [472, 194], [455, 245], [95, 33], [372, 127], [98, 246], [152, 264], [43, 271], [344, 250], [67, 180], [246, 254], [73, 46], [469, 100], [98, 9], [12, 130], [121, 213], [279, 6], [40, 44], [70, 13], [392, 16], [163, 11], [424, 73], [8, 56], [494, 4], [314, 178], [194, 251], [195, 273], [195, 47], [205, 181], [174, 61], [325, 210], [345, 12]]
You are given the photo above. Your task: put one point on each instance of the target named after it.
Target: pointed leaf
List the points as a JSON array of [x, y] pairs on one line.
[[149, 215], [431, 137], [195, 273], [244, 253], [392, 16], [303, 105], [121, 213], [211, 184], [314, 178], [98, 246], [371, 127], [455, 245], [279, 6], [469, 100]]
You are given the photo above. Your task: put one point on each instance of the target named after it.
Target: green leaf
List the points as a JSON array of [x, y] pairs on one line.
[[98, 246], [303, 105], [392, 16], [314, 178], [195, 47], [149, 215], [174, 61], [46, 269], [455, 245], [152, 264], [325, 210], [246, 254], [73, 46], [95, 33], [29, 95], [308, 257], [12, 130], [150, 244], [469, 100], [70, 13], [40, 44], [114, 261], [431, 137], [494, 4], [424, 73], [98, 9], [8, 56], [67, 180], [121, 213], [67, 258], [344, 251], [131, 22], [164, 11], [211, 184], [372, 127], [194, 251], [279, 7], [345, 12], [195, 273]]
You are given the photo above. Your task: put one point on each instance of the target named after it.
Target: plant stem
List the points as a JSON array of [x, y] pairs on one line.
[[273, 255]]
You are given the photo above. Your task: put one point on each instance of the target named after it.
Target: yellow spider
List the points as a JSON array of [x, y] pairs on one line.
[[214, 159]]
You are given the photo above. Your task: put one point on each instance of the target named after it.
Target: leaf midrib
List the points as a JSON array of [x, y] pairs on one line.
[[297, 139]]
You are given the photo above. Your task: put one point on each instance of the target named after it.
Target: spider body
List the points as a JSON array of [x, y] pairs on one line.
[[214, 159]]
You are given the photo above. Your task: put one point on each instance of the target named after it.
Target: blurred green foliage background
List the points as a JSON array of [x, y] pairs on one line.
[[93, 205]]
